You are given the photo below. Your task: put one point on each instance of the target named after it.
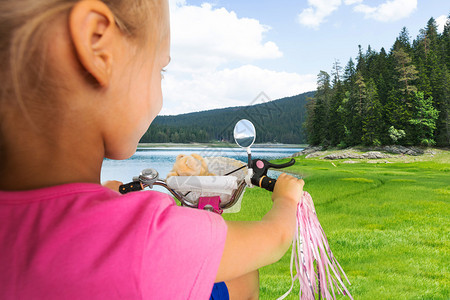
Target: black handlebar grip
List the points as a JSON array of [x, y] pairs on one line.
[[267, 183], [281, 166], [131, 187]]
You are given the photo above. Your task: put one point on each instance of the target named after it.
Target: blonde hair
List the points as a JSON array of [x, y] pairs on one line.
[[23, 25]]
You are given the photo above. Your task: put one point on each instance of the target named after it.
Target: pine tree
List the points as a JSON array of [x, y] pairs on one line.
[[371, 120], [358, 102], [337, 72], [445, 43], [430, 56], [371, 64], [320, 121], [336, 125], [403, 40], [397, 113], [406, 70], [313, 135], [381, 75], [442, 104], [361, 62], [344, 112], [361, 94], [349, 74]]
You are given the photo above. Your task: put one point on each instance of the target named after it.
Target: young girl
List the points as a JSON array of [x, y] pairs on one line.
[[80, 81]]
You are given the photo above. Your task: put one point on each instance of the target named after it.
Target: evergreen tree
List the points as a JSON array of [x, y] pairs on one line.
[[382, 75], [309, 125], [430, 57], [442, 134], [337, 72], [397, 113], [371, 120], [361, 62], [406, 70], [445, 43], [349, 74], [371, 60], [403, 40], [336, 123], [359, 103], [322, 108], [344, 112]]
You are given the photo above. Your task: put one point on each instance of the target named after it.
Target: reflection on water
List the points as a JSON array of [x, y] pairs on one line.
[[162, 159]]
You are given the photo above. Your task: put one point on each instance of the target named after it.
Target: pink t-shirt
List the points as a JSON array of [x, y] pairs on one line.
[[83, 241]]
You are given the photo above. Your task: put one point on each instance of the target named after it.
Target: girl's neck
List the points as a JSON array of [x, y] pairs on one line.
[[32, 162]]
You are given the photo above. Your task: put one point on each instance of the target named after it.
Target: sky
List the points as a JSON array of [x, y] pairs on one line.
[[230, 52]]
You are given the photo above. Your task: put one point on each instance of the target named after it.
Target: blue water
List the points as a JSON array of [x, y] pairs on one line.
[[163, 158]]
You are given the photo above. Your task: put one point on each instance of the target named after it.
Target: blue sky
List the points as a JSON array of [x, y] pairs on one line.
[[225, 52]]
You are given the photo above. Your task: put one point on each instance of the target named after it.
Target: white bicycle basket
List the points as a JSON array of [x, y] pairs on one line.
[[230, 188]]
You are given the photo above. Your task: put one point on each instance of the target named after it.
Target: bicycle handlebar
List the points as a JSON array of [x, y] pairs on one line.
[[131, 187], [259, 178], [266, 183], [260, 168]]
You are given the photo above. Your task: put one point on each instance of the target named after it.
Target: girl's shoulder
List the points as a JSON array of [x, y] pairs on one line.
[[75, 191]]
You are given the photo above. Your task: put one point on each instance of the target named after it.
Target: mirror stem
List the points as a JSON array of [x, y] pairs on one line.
[[249, 154]]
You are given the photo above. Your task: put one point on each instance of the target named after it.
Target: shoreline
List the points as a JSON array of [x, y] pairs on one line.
[[355, 155], [216, 145]]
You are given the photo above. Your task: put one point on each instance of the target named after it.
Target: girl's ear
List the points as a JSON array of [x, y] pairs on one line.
[[94, 33]]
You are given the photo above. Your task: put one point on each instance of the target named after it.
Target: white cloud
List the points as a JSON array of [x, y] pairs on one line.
[[214, 55], [391, 10], [440, 21], [230, 87], [208, 37], [317, 12]]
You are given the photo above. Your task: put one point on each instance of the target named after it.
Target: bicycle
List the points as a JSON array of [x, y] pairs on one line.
[[316, 268]]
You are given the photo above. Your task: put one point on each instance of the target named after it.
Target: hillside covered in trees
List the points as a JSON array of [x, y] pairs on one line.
[[278, 121], [401, 96]]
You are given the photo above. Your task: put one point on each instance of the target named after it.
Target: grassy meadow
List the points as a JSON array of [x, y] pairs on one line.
[[387, 222]]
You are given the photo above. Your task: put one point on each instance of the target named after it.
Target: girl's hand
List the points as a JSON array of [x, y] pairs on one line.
[[112, 185], [252, 245], [288, 188]]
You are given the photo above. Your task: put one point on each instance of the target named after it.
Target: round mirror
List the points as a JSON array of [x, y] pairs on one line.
[[244, 133]]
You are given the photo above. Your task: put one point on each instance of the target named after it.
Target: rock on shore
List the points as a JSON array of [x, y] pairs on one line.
[[397, 149], [367, 155], [373, 153], [308, 151]]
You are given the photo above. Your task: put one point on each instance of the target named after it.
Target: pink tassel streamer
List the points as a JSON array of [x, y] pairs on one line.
[[310, 245]]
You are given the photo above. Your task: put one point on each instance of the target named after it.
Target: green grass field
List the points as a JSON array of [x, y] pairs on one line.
[[387, 224]]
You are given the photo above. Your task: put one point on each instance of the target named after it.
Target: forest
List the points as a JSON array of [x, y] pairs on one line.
[[277, 121], [396, 97]]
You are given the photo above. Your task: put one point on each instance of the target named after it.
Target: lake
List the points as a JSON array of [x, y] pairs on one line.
[[163, 158]]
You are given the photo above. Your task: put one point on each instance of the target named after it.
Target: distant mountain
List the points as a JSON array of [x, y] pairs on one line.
[[278, 121]]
